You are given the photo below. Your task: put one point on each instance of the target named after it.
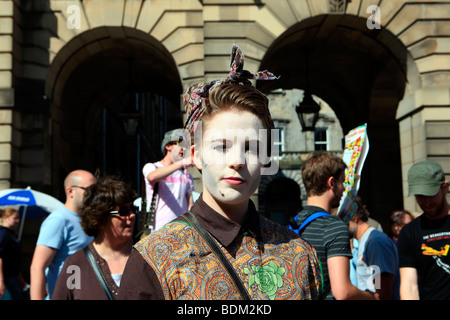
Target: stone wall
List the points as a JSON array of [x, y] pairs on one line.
[[198, 35]]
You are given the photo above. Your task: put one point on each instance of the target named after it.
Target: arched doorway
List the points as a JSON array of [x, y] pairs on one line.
[[94, 80], [282, 200], [361, 74]]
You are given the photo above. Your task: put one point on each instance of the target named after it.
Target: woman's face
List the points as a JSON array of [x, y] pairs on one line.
[[121, 227], [398, 227], [228, 157], [13, 221]]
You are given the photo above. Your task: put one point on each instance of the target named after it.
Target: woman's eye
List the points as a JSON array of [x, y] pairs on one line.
[[220, 147], [252, 147]]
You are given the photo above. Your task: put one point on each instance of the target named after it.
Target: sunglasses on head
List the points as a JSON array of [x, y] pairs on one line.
[[125, 211], [177, 142]]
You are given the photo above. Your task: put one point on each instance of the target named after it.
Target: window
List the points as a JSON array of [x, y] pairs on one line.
[[280, 144], [320, 139]]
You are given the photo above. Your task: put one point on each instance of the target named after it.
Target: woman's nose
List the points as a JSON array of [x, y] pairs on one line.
[[236, 158]]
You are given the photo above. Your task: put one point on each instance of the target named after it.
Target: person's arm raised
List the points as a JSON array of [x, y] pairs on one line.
[[163, 172]]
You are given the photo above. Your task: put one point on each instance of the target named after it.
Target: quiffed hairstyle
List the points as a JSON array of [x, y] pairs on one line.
[[318, 168], [231, 96], [102, 197]]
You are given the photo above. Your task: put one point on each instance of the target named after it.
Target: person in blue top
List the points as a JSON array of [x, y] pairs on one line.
[[60, 235], [376, 257]]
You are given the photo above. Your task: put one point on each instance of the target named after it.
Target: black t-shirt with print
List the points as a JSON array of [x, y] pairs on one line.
[[424, 244]]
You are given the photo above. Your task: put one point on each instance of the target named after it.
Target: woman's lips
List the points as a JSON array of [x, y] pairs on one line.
[[234, 180]]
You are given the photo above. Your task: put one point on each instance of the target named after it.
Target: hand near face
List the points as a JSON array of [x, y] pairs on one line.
[[188, 162]]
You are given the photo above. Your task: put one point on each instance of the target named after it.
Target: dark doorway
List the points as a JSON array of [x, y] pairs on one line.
[[282, 199], [101, 74], [361, 74]]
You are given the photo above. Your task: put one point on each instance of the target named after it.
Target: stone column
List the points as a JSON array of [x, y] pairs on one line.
[[424, 124], [6, 90]]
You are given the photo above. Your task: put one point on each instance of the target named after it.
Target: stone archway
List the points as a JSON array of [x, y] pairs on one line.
[[362, 75], [198, 35], [88, 84]]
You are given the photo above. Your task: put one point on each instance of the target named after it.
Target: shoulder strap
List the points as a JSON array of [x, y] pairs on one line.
[[98, 273], [151, 218], [312, 217], [219, 254]]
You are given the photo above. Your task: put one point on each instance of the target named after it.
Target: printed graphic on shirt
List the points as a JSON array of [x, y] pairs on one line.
[[171, 179], [428, 250], [268, 278]]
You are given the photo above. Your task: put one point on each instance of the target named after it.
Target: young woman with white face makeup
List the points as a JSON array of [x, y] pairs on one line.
[[263, 260], [228, 158]]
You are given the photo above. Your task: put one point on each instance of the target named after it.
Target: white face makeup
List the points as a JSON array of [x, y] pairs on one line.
[[228, 157]]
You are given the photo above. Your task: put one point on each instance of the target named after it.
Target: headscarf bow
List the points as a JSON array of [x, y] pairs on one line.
[[193, 95]]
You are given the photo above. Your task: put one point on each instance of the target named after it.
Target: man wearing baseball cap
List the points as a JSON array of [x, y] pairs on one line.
[[424, 243], [175, 184]]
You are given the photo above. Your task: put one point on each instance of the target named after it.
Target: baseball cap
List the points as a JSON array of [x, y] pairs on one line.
[[425, 178], [171, 136]]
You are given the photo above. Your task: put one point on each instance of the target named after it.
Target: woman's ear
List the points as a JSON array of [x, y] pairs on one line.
[[195, 154]]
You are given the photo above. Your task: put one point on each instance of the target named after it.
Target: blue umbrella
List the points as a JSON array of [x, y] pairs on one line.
[[29, 198]]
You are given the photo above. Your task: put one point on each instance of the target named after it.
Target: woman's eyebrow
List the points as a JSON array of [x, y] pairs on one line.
[[225, 140], [219, 140]]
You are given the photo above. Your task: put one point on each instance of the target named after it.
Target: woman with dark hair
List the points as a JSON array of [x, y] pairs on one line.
[[107, 214], [397, 220]]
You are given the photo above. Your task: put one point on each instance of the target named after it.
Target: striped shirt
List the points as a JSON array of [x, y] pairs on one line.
[[329, 236]]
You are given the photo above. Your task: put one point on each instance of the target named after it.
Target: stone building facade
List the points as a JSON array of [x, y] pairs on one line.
[[68, 68]]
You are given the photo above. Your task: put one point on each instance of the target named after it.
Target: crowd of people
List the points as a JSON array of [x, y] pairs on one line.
[[219, 247]]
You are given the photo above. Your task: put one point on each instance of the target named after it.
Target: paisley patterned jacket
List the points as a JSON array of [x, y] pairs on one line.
[[271, 261]]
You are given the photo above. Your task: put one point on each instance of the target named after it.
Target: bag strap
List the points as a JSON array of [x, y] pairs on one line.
[[98, 273], [219, 254], [312, 217], [151, 216]]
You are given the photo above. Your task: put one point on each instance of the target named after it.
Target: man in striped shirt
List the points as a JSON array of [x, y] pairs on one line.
[[323, 176]]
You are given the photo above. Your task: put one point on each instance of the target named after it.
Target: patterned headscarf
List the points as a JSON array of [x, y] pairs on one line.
[[193, 95]]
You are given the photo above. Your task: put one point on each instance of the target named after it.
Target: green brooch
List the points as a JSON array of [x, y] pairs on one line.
[[268, 278]]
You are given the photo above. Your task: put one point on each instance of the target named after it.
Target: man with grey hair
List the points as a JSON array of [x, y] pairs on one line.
[[424, 243]]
